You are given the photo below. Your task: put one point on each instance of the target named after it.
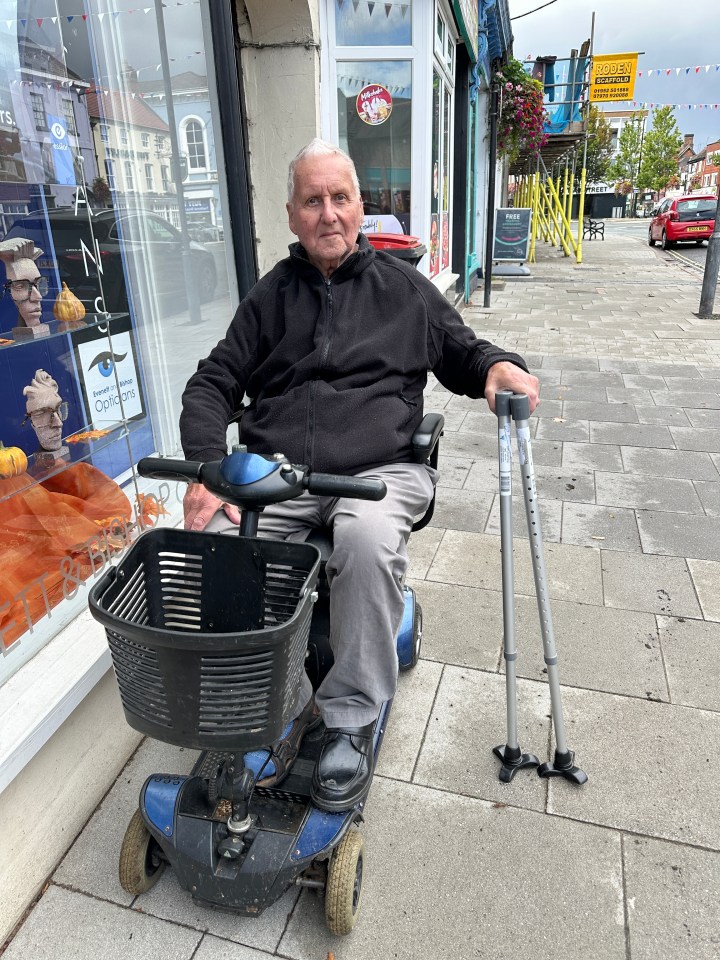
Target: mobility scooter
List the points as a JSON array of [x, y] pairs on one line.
[[209, 634]]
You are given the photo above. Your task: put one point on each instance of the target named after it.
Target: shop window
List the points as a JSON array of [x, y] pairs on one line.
[[94, 344], [440, 176], [374, 125], [195, 144], [373, 24]]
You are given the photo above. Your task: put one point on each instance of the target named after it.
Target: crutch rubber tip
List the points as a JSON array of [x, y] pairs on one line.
[[563, 766], [513, 760]]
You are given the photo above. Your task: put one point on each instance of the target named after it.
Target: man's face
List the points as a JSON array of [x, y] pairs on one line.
[[30, 310], [326, 212]]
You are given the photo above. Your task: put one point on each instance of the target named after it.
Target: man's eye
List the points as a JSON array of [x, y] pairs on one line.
[[341, 198], [312, 202]]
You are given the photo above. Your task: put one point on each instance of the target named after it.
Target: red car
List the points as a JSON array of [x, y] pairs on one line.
[[683, 218]]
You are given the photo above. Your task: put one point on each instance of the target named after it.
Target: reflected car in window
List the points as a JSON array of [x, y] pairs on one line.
[[123, 240], [683, 219]]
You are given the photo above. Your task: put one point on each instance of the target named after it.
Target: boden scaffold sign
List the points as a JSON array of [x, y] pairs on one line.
[[612, 77]]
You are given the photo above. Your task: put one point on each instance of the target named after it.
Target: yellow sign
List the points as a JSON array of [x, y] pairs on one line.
[[613, 77]]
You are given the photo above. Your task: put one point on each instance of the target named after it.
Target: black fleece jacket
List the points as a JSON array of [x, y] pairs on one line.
[[335, 368]]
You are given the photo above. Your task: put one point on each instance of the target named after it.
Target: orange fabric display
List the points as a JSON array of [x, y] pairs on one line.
[[54, 535]]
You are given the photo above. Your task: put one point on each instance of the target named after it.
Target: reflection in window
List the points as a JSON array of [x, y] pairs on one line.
[[69, 115], [374, 105], [165, 175], [195, 142], [104, 133], [374, 24], [129, 176], [110, 172], [145, 137], [38, 109], [149, 178]]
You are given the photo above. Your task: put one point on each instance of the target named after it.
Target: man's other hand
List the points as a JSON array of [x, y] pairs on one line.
[[507, 376], [200, 506]]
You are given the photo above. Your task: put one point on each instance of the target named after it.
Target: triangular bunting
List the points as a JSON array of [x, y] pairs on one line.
[[371, 7], [388, 8]]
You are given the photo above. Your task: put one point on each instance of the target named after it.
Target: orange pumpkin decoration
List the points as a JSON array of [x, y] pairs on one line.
[[13, 461]]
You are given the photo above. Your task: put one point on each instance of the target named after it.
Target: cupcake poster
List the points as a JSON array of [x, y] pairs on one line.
[[374, 104]]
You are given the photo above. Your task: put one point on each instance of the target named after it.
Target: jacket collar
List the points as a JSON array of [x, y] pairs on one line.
[[354, 265]]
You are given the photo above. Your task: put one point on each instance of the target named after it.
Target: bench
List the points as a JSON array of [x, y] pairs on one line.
[[592, 229]]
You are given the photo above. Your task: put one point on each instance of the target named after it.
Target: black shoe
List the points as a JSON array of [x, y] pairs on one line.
[[344, 769]]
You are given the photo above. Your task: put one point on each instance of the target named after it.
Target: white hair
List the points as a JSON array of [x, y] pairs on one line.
[[319, 148]]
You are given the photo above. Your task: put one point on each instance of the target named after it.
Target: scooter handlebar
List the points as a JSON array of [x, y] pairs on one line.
[[357, 488], [163, 468]]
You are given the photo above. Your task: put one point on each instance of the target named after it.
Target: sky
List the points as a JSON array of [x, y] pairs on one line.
[[657, 28]]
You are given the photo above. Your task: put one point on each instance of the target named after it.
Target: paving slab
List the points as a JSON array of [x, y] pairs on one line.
[[409, 716], [66, 925], [213, 948], [704, 418], [422, 548], [647, 493], [669, 463], [660, 414], [632, 434], [673, 893], [473, 560], [709, 494], [706, 580], [461, 625], [592, 642], [454, 471], [475, 884], [91, 864], [561, 429], [604, 412], [679, 535], [661, 585], [592, 456], [610, 528], [654, 767], [696, 438], [550, 518], [456, 510], [691, 650]]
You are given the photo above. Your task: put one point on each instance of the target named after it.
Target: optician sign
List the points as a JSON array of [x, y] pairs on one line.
[[109, 374], [612, 77]]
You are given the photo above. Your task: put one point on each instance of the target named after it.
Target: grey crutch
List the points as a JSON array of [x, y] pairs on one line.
[[563, 764]]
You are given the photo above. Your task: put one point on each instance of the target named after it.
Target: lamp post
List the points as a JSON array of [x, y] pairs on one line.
[[712, 267]]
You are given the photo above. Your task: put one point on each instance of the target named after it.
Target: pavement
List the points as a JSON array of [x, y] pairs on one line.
[[459, 865]]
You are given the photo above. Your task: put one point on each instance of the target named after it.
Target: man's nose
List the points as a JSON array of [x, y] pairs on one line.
[[35, 294], [328, 210], [55, 419]]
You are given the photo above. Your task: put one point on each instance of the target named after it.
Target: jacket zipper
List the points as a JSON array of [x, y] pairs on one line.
[[324, 353], [326, 346]]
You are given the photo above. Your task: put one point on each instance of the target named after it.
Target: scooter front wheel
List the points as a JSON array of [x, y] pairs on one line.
[[140, 862], [343, 893]]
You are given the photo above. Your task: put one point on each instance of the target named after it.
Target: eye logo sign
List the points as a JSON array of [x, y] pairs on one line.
[[58, 130], [105, 362]]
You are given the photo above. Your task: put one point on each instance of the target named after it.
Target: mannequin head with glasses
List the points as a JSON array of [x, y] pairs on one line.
[[25, 286], [45, 410]]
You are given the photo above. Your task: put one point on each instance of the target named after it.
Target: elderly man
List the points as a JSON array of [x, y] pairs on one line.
[[333, 347]]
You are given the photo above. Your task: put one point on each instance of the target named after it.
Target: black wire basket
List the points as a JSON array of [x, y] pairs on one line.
[[208, 635]]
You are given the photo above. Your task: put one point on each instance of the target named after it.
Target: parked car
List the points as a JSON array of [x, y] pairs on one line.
[[688, 219], [122, 236]]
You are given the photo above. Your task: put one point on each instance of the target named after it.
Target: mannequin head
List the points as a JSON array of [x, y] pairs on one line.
[[45, 410], [19, 257]]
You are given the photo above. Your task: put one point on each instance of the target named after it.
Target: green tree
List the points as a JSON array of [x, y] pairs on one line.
[[660, 150], [599, 147], [625, 165]]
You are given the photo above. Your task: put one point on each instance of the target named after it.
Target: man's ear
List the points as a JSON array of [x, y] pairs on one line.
[[291, 220]]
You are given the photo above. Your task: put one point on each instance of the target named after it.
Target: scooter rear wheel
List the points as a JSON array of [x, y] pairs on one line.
[[343, 893], [140, 865]]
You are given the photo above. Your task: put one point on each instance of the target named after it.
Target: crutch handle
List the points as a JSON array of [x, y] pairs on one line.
[[520, 406], [502, 403]]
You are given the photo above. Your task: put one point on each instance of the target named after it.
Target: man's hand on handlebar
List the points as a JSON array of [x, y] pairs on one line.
[[508, 376], [200, 506]]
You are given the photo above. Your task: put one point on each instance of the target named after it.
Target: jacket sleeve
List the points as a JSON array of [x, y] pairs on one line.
[[215, 392], [458, 358]]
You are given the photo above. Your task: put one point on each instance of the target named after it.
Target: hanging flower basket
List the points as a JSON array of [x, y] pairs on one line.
[[623, 188], [522, 114]]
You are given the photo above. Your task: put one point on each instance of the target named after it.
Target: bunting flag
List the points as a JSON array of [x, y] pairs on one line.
[[637, 105], [100, 16], [370, 5], [663, 71]]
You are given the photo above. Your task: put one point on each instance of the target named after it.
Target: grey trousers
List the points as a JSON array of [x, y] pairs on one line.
[[365, 572]]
